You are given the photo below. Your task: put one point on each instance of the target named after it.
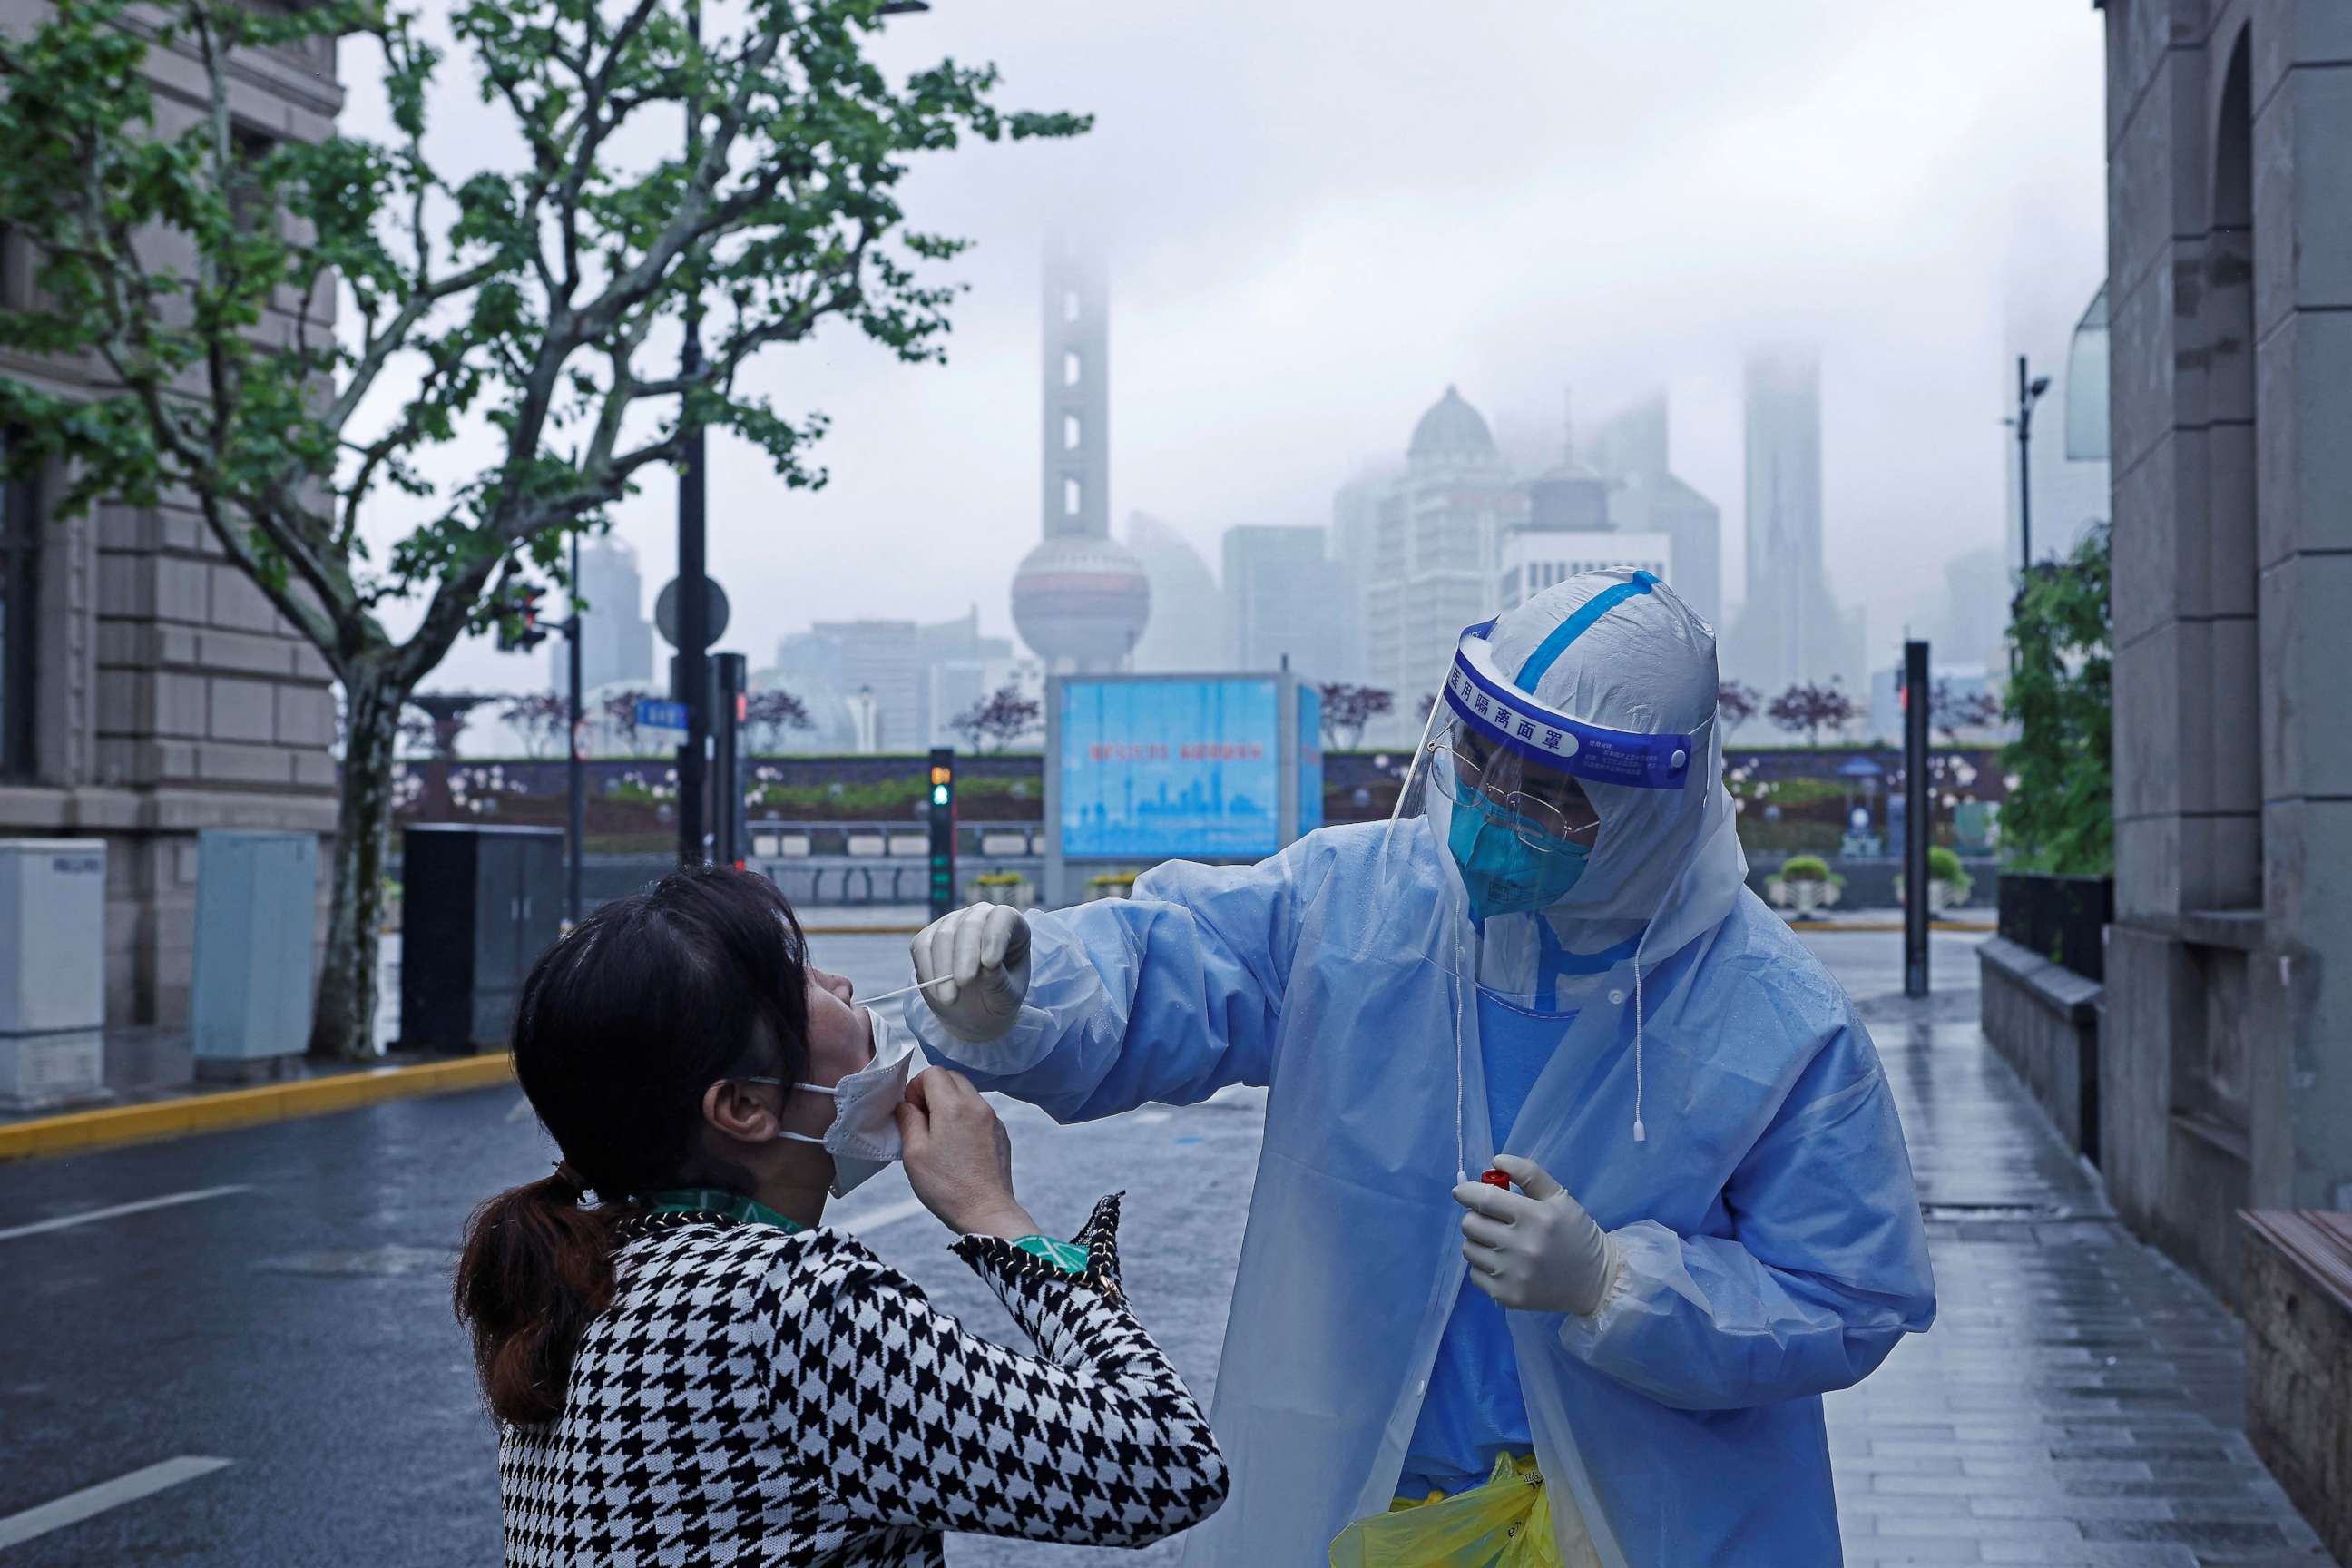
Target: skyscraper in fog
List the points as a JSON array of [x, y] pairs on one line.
[[1284, 601], [1080, 599], [1784, 504], [1790, 628], [1631, 450], [1355, 533], [881, 661], [1433, 570], [1187, 629], [616, 641], [1568, 531]]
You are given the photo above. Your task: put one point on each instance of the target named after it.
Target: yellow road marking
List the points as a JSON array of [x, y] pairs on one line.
[[111, 1127]]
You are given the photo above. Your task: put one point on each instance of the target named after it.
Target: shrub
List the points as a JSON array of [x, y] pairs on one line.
[[2060, 817], [1805, 868]]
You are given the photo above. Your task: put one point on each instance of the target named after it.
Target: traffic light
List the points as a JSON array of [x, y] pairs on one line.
[[518, 627], [942, 830]]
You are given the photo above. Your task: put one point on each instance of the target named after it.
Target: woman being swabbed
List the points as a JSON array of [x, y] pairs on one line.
[[688, 1369]]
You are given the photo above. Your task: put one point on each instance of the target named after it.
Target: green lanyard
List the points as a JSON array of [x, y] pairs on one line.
[[715, 1200], [1062, 1255]]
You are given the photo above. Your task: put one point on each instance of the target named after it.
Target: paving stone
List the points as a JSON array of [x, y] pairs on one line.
[[2080, 1400], [2089, 1554]]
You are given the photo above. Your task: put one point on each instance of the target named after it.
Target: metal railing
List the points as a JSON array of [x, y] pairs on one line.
[[852, 863]]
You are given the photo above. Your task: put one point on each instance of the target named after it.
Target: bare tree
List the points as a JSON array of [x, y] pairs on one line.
[[1005, 717], [768, 714], [540, 717], [1950, 713], [1736, 702], [1808, 709], [620, 710], [1350, 709]]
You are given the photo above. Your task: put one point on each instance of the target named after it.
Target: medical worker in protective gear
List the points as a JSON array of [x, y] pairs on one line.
[[1546, 962]]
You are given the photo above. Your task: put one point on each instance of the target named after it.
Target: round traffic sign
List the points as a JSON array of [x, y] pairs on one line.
[[666, 613]]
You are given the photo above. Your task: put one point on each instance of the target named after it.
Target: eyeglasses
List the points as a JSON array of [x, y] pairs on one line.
[[1536, 822]]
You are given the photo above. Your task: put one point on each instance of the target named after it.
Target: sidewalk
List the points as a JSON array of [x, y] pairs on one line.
[[2080, 1400]]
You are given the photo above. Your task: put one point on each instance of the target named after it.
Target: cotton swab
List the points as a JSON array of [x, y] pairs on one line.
[[904, 991]]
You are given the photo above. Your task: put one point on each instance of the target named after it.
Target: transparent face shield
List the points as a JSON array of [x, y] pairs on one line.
[[1539, 807], [1558, 835]]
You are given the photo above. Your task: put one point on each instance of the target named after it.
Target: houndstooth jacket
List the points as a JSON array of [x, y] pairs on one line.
[[760, 1397]]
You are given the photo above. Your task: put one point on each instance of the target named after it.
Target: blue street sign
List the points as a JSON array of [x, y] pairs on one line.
[[660, 713]]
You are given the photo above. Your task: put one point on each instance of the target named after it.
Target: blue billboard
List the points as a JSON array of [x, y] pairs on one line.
[[1310, 759], [1170, 769]]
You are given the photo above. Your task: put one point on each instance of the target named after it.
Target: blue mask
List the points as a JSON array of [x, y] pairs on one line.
[[1503, 875]]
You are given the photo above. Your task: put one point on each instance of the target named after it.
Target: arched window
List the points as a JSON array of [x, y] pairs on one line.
[[2232, 565]]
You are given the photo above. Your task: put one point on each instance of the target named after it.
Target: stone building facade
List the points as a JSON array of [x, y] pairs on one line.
[[147, 688], [2226, 1071]]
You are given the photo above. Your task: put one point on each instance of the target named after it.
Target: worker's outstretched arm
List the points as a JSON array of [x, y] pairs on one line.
[[1169, 995]]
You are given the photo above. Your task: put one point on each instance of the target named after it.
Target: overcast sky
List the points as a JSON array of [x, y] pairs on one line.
[[1318, 216]]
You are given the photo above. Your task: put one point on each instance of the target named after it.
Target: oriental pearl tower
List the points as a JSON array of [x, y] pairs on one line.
[[1080, 599]]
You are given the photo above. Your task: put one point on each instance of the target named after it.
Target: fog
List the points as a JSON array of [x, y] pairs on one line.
[[1318, 216]]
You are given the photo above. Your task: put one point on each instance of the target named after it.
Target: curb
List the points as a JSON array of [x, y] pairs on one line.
[[112, 1126]]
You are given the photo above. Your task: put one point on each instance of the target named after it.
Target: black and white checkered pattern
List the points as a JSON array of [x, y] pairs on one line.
[[755, 1396]]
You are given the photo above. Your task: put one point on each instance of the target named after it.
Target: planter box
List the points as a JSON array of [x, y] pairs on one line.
[[1096, 891], [1013, 895], [1804, 896], [2298, 1307], [1941, 895], [2061, 918], [2044, 1022]]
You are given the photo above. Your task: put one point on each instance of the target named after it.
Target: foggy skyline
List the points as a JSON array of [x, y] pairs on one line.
[[1312, 229]]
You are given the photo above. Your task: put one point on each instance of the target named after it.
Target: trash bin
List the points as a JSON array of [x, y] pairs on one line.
[[477, 906], [257, 953]]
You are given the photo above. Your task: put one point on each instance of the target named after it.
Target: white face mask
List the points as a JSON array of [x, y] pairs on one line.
[[864, 1136]]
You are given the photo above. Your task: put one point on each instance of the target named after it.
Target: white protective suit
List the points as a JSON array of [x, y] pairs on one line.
[[1767, 1239]]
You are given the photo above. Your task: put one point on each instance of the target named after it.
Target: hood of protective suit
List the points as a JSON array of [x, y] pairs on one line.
[[1617, 660]]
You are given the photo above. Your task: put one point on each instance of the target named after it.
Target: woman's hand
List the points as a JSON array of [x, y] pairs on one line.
[[959, 1157]]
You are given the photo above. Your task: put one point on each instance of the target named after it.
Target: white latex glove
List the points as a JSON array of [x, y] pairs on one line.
[[981, 954], [1534, 1248]]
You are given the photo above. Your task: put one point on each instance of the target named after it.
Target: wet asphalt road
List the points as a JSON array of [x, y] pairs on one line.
[[299, 1328]]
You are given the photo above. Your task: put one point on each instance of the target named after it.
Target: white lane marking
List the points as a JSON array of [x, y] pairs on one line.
[[890, 1214], [139, 1207], [1146, 1118], [522, 1107], [90, 1502]]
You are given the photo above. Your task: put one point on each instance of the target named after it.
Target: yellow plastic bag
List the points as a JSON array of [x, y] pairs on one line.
[[1505, 1523]]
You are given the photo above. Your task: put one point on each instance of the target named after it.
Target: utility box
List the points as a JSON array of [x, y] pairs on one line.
[[477, 906], [256, 925], [52, 972]]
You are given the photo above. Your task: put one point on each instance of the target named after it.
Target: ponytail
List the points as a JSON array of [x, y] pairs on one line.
[[620, 1028], [537, 1268]]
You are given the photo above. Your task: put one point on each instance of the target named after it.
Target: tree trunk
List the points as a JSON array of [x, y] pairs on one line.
[[344, 1023]]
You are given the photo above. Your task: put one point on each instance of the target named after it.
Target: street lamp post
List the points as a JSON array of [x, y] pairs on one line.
[[2029, 389], [693, 567], [693, 574], [575, 795]]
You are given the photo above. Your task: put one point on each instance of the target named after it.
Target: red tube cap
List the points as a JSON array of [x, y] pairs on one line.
[[1496, 1179]]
